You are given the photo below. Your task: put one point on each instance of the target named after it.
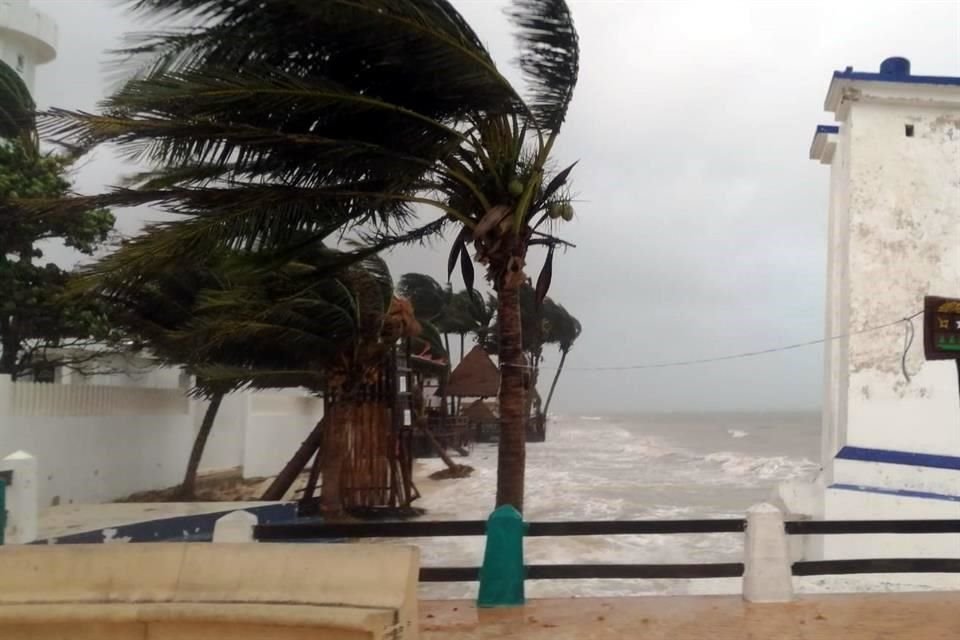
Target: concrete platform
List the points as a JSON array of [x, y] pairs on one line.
[[67, 521], [913, 616]]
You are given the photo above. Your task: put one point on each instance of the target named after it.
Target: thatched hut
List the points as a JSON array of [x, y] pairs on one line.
[[475, 377]]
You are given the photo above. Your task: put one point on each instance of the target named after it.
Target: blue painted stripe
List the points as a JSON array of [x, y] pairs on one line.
[[192, 528], [828, 128], [888, 456], [904, 79], [903, 493]]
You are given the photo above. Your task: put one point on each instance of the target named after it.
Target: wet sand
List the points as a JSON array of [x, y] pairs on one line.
[[913, 616]]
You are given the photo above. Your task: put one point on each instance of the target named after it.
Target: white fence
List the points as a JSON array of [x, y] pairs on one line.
[[28, 399], [99, 443]]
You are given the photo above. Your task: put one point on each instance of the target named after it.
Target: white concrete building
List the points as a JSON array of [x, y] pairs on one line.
[[28, 38], [891, 425]]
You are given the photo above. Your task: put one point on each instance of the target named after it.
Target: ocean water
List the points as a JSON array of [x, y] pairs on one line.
[[658, 466]]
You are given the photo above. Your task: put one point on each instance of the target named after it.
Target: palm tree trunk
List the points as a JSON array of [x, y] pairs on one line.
[[553, 385], [463, 338], [331, 458], [189, 486], [511, 456], [9, 347]]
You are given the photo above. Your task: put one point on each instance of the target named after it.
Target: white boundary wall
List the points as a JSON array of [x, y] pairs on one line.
[[100, 443]]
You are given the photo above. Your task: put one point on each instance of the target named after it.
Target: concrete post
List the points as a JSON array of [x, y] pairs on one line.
[[502, 573], [767, 575], [236, 526], [21, 498]]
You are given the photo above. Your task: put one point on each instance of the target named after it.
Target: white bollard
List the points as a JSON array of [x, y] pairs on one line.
[[236, 526], [767, 575], [22, 498]]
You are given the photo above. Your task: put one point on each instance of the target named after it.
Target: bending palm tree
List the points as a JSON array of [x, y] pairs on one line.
[[566, 330], [240, 320], [262, 130]]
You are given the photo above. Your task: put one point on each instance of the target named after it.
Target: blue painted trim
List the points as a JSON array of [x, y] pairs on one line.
[[850, 74], [903, 493], [908, 458], [827, 128], [193, 528]]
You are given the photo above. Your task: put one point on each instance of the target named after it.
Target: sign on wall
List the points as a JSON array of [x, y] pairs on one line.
[[941, 328]]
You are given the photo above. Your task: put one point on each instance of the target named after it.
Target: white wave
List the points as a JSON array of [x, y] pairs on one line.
[[737, 433], [762, 468], [591, 418]]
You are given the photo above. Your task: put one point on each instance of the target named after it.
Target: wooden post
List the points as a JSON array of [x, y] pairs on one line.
[[288, 475]]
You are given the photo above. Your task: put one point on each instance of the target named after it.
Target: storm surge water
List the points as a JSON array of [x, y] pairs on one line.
[[661, 466]]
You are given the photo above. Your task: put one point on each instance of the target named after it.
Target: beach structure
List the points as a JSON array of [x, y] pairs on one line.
[[891, 420], [475, 378], [376, 472], [28, 38]]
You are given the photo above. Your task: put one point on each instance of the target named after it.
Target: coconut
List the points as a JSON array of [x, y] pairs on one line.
[[515, 188]]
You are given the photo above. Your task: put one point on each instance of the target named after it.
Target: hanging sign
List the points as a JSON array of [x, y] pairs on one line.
[[941, 328]]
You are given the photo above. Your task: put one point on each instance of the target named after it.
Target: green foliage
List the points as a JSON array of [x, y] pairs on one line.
[[259, 131], [16, 105], [35, 313], [238, 319]]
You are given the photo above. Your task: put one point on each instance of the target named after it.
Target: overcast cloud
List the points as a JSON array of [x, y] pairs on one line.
[[702, 226]]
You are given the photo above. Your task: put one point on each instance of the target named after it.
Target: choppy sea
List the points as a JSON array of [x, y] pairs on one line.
[[657, 466]]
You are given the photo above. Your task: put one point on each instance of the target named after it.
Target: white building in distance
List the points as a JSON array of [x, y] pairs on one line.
[[28, 38], [891, 423]]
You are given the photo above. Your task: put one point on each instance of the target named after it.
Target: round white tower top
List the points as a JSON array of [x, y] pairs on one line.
[[28, 38]]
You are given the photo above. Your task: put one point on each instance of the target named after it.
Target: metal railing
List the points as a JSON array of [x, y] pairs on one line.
[[425, 529]]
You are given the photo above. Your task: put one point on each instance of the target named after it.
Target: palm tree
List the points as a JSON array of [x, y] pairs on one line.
[[260, 130], [461, 313], [566, 330], [239, 319], [155, 314]]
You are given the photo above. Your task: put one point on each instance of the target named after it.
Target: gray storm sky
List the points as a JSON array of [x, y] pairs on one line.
[[701, 229]]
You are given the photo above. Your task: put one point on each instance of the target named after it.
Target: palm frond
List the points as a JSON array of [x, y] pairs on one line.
[[549, 58]]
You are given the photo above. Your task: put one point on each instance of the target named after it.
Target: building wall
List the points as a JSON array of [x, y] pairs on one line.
[[277, 425], [99, 443], [17, 18], [904, 243], [849, 504], [225, 446], [96, 444]]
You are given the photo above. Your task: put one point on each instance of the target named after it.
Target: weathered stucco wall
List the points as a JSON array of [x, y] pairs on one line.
[[904, 244]]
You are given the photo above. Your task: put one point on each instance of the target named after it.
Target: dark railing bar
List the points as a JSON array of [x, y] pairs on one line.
[[876, 565], [428, 529], [830, 527], [633, 571], [593, 571], [449, 574], [320, 531], [628, 527]]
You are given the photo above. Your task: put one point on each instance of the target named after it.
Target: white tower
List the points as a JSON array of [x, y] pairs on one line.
[[891, 425], [28, 38]]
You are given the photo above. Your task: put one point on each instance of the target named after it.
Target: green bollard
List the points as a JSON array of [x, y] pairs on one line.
[[501, 576], [3, 508]]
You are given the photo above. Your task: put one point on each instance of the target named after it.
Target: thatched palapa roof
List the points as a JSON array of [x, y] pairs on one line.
[[480, 411], [475, 377]]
